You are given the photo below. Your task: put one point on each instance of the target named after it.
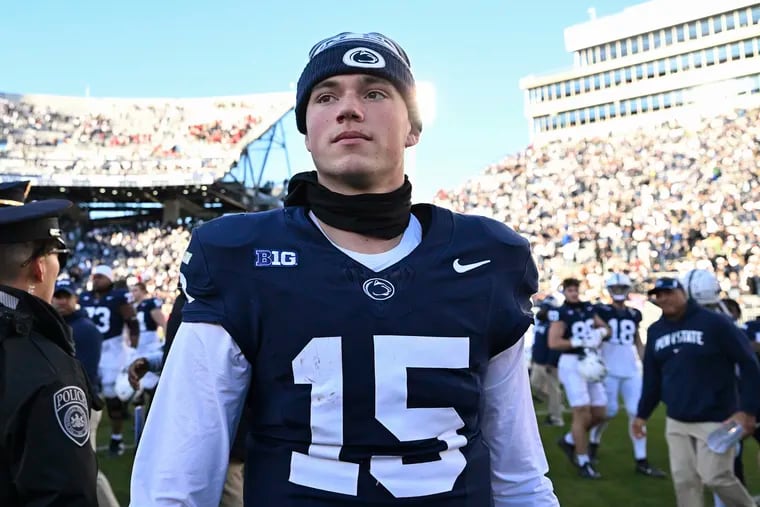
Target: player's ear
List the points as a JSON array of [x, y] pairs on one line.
[[412, 136], [307, 142]]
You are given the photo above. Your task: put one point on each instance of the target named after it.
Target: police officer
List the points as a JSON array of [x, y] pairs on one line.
[[87, 342], [689, 364], [45, 398]]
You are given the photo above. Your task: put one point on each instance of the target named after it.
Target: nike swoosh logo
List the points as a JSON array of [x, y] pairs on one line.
[[464, 268]]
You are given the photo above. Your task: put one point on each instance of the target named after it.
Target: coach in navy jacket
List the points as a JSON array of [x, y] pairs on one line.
[[87, 339], [689, 364]]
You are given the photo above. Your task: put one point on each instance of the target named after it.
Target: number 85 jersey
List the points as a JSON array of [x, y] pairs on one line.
[[367, 387]]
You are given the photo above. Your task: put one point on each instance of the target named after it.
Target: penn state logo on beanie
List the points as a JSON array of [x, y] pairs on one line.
[[357, 53]]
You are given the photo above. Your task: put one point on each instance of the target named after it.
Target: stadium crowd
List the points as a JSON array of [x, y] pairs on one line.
[[148, 253], [663, 200], [666, 199], [121, 137]]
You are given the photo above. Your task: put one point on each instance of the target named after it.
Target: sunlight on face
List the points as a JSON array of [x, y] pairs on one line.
[[357, 129]]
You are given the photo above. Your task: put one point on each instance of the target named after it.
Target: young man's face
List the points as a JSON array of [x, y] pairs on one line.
[[137, 293], [357, 129], [100, 282], [571, 293], [618, 293]]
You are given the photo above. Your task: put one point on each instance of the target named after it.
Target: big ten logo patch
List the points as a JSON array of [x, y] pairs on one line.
[[275, 258]]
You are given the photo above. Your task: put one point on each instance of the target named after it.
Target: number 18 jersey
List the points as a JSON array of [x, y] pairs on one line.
[[619, 351], [366, 386]]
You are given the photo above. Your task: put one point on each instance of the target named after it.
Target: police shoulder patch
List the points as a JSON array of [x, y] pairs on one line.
[[73, 414]]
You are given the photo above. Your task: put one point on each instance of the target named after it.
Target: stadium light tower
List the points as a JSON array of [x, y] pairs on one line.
[[426, 101]]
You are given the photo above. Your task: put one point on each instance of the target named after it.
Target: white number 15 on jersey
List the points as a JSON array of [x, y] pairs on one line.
[[320, 364]]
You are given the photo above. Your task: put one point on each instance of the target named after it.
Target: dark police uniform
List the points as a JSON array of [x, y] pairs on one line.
[[45, 398]]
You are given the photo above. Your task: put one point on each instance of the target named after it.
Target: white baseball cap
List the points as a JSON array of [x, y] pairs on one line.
[[102, 269]]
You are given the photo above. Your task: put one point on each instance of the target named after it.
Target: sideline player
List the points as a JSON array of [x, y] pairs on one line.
[[543, 373], [111, 309], [151, 319], [622, 355], [578, 332]]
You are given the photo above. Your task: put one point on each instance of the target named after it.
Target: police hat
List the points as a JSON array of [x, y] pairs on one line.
[[665, 283], [20, 221]]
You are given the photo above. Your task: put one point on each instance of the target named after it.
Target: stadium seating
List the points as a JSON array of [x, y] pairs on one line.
[[77, 136], [664, 199]]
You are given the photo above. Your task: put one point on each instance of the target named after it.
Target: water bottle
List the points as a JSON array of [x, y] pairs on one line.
[[725, 437], [139, 422]]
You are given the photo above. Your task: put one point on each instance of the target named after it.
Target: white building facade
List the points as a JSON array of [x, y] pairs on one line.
[[648, 64]]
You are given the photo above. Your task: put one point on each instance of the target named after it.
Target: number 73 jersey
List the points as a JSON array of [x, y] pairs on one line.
[[367, 387], [619, 351]]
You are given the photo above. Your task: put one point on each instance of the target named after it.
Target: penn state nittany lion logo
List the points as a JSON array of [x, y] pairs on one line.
[[73, 414], [364, 57], [378, 289]]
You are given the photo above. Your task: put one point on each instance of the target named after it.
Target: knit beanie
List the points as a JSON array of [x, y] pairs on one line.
[[357, 53]]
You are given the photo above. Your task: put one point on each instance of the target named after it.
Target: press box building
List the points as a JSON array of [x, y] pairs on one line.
[[650, 63]]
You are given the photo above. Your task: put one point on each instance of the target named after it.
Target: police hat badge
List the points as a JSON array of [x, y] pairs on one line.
[[21, 221]]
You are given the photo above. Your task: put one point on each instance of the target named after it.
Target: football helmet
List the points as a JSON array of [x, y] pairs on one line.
[[123, 389], [591, 367], [549, 302], [702, 286], [618, 285]]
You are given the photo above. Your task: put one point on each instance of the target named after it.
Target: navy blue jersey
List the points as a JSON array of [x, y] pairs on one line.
[[578, 319], [689, 364], [623, 322], [752, 330], [144, 317], [541, 353], [619, 350], [87, 345], [105, 310], [366, 386]]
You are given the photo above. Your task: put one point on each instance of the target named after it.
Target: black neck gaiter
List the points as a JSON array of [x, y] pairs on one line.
[[383, 216]]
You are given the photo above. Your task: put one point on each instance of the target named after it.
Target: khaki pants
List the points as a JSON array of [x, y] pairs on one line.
[[106, 498], [544, 378], [693, 465], [232, 495]]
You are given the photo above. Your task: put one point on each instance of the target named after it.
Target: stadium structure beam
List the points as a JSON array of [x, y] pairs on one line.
[[249, 172]]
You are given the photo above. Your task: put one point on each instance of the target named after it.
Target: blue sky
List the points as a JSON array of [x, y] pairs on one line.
[[473, 52]]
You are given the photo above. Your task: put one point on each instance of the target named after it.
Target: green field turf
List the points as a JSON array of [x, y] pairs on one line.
[[619, 486]]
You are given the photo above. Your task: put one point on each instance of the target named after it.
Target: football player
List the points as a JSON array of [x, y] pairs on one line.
[[622, 354], [151, 319], [577, 331], [752, 329], [111, 310], [377, 344], [543, 374]]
